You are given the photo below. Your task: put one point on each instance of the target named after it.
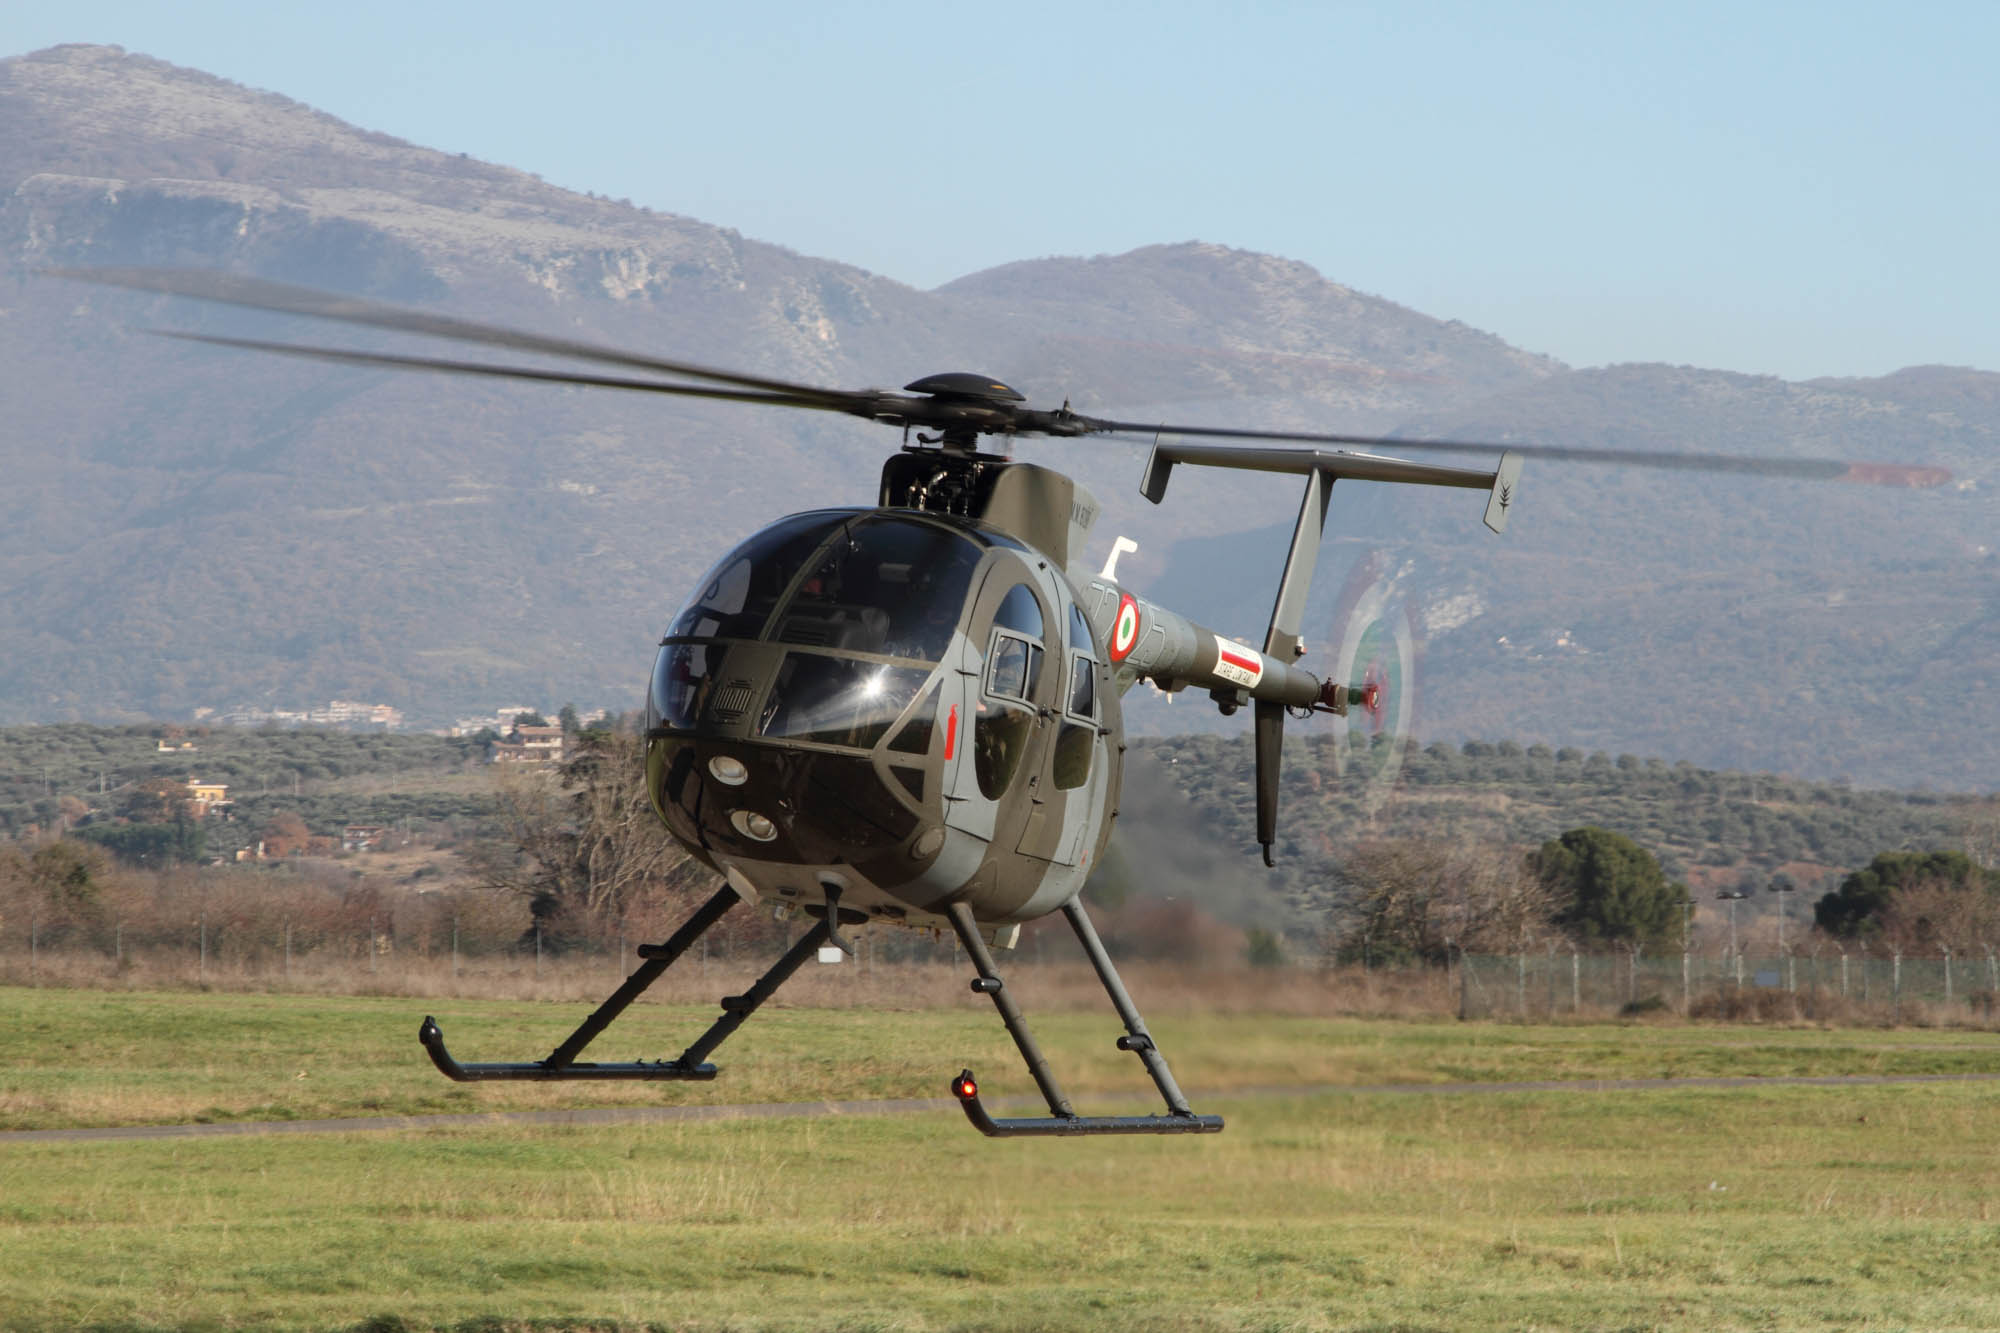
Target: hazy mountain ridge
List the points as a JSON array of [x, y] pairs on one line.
[[190, 526]]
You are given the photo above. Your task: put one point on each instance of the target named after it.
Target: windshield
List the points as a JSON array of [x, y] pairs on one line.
[[842, 590], [864, 583], [738, 595], [838, 700], [883, 585]]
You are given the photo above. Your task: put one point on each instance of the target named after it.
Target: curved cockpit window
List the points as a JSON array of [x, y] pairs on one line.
[[1080, 639], [883, 585], [842, 589], [838, 700], [739, 594], [1005, 722], [1019, 610], [857, 582]]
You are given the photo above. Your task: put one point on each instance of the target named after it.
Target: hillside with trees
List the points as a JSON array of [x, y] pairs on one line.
[[1710, 829]]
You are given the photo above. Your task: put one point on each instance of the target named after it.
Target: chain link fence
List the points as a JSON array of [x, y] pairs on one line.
[[1558, 984]]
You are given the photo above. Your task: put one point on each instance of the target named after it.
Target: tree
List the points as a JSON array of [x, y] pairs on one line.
[[1415, 899], [530, 720], [570, 721], [582, 848], [1860, 907], [66, 875], [179, 839], [154, 801], [1608, 889], [284, 834]]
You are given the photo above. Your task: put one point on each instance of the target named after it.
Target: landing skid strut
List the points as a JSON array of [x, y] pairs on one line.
[[692, 1063], [1180, 1118]]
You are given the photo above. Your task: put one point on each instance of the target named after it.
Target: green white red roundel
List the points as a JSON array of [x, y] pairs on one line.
[[1125, 629]]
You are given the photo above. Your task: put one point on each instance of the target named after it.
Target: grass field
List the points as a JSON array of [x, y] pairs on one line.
[[1767, 1207]]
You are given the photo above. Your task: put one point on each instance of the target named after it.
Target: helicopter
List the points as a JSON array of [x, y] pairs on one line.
[[908, 713]]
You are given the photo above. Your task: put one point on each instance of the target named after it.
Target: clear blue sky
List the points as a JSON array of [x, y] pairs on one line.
[[1797, 189]]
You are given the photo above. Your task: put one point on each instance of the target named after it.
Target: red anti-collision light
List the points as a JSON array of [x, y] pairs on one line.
[[966, 1088]]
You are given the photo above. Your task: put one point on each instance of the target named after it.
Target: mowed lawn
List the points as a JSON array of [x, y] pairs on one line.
[[1761, 1207]]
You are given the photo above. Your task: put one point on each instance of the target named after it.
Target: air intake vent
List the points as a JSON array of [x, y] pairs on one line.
[[732, 701]]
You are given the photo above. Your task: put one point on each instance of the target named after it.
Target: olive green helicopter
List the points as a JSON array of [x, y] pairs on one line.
[[909, 713]]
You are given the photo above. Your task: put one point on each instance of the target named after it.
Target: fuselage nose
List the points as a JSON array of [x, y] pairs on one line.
[[788, 805]]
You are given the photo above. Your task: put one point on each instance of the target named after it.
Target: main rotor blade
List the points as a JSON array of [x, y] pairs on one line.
[[389, 361], [1811, 469], [284, 298]]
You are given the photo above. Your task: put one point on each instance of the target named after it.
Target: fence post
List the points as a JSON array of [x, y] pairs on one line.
[[1947, 976], [1843, 974], [1896, 989], [288, 951], [201, 968], [454, 945], [1464, 996], [34, 948], [1552, 981], [1575, 982], [1521, 985]]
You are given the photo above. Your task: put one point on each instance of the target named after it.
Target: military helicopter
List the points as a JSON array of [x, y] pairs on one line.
[[908, 713]]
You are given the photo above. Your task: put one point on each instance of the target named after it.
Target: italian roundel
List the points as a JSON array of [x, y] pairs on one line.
[[1125, 629]]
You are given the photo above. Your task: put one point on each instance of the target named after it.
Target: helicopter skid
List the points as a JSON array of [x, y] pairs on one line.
[[433, 1039], [1055, 1125], [692, 1064], [1062, 1120]]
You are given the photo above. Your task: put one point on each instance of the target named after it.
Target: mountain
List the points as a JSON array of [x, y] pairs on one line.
[[190, 527]]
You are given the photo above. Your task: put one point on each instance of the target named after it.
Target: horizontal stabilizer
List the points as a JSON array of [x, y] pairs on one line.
[[1505, 478]]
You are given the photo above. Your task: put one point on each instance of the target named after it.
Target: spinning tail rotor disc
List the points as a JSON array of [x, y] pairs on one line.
[[1375, 649]]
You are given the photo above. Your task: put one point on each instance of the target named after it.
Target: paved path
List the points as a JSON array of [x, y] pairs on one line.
[[622, 1115]]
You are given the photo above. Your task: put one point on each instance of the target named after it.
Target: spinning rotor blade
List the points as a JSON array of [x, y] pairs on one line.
[[283, 298], [962, 411], [1810, 469], [390, 361]]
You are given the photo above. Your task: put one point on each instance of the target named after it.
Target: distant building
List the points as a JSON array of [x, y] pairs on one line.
[[344, 713], [206, 797], [362, 837], [531, 745]]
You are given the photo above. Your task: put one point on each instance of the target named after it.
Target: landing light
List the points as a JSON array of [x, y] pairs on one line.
[[753, 825], [728, 770]]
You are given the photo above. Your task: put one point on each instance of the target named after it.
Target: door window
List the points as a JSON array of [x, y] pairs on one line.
[[1005, 724]]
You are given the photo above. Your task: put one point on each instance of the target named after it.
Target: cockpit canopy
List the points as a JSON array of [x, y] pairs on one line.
[[859, 581], [865, 602]]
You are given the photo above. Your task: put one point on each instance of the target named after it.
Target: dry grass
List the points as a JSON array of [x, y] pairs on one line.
[[1161, 988]]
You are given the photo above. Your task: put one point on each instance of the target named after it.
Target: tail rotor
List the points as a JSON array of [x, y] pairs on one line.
[[1375, 648]]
